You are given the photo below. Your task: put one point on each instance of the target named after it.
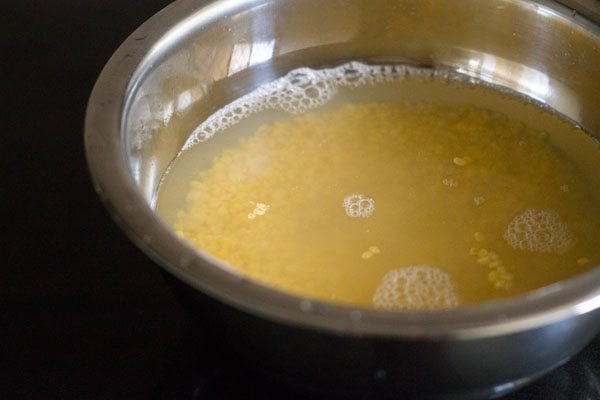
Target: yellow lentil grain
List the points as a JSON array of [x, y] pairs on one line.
[[483, 260], [461, 161], [582, 261]]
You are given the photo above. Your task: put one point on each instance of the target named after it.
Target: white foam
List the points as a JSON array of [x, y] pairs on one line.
[[416, 287], [540, 231], [301, 90], [359, 206]]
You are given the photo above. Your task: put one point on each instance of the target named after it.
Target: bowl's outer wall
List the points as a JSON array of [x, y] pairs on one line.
[[346, 366]]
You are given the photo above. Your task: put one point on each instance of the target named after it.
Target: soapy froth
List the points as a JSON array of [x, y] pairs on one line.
[[359, 206], [541, 231], [416, 287], [301, 90]]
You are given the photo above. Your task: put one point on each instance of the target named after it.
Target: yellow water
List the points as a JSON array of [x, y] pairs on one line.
[[427, 203]]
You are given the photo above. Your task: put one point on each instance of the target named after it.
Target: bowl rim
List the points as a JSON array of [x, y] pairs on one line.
[[108, 105]]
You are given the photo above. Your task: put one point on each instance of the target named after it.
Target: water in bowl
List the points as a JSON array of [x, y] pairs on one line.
[[390, 187]]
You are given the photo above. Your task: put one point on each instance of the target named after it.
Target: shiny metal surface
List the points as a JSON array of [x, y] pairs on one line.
[[196, 56]]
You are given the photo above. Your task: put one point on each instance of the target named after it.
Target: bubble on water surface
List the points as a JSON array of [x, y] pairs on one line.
[[359, 206], [416, 287], [540, 231]]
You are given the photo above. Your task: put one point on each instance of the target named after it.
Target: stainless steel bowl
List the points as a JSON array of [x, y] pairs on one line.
[[195, 56]]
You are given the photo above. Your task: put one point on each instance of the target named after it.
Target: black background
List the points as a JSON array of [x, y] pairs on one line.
[[86, 315]]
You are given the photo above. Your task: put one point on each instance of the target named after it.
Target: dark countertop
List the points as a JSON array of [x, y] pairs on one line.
[[87, 315]]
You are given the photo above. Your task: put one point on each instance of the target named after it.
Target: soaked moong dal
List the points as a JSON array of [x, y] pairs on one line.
[[392, 203]]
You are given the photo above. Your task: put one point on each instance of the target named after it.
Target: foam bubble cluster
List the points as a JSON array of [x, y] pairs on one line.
[[301, 90], [358, 206], [539, 231], [417, 287]]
